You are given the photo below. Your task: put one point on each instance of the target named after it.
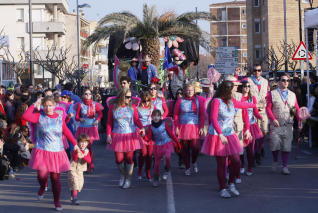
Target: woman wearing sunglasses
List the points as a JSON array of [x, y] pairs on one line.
[[88, 113], [158, 101], [250, 125], [189, 117], [122, 135], [144, 111]]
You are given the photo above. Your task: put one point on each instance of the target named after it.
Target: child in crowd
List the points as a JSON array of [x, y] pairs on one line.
[[161, 132], [80, 159], [4, 162]]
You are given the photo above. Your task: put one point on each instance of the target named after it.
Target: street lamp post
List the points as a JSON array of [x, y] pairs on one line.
[[31, 43], [285, 43], [78, 31]]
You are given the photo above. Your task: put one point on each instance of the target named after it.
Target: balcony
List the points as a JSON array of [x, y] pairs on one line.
[[49, 27]]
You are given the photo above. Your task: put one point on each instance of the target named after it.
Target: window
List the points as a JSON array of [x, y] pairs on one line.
[[305, 1], [20, 43], [244, 40], [37, 15], [258, 54], [264, 25], [223, 17], [243, 11], [20, 15], [244, 54], [256, 3], [224, 42], [243, 26], [224, 29], [257, 26]]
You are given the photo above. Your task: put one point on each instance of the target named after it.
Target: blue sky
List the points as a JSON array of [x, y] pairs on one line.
[[100, 8]]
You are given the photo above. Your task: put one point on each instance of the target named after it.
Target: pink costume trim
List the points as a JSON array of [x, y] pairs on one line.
[[163, 150], [125, 142], [213, 146]]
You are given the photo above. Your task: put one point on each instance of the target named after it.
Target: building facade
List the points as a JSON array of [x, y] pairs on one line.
[[229, 28], [265, 29]]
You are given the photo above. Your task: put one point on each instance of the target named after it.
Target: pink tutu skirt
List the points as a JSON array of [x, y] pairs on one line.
[[65, 142], [92, 132], [189, 132], [213, 146], [43, 160], [163, 150], [125, 142], [144, 142], [256, 132]]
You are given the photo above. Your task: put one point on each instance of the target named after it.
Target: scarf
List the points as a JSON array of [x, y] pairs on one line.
[[156, 125], [144, 67], [194, 104], [257, 82], [283, 94], [90, 108]]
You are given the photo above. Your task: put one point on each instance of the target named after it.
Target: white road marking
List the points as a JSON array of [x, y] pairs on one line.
[[170, 195]]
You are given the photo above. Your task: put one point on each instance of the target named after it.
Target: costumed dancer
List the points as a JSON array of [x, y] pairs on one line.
[[178, 78], [250, 125], [80, 158], [48, 156], [221, 141], [189, 118], [260, 90], [88, 113], [281, 108], [158, 101], [161, 132], [122, 135], [144, 111]]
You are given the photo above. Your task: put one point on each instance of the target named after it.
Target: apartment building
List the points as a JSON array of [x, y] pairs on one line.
[[229, 28], [265, 26], [48, 17]]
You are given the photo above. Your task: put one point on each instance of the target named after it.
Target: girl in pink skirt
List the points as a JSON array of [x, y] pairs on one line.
[[158, 101], [221, 140], [48, 155], [250, 125], [161, 132], [144, 112], [122, 135], [88, 113], [189, 118]]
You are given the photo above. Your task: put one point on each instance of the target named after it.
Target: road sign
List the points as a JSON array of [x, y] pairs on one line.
[[85, 66], [226, 59], [300, 53]]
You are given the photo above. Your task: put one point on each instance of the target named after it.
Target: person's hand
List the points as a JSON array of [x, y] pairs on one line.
[[177, 146], [82, 119], [96, 123], [201, 131], [86, 152], [37, 104], [142, 132], [247, 135], [300, 125], [76, 148], [109, 139], [223, 139], [276, 123], [70, 115], [26, 146], [177, 131]]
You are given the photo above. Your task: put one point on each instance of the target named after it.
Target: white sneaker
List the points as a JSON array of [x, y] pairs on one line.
[[238, 180], [195, 168], [46, 188], [121, 180], [274, 166], [165, 176], [225, 194], [40, 197], [139, 178], [242, 170], [233, 190], [249, 173], [187, 172], [58, 208], [127, 184], [285, 171]]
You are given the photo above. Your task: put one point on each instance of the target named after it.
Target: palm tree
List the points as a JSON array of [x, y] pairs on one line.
[[151, 28]]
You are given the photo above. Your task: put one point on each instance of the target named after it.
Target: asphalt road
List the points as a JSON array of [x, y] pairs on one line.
[[263, 192]]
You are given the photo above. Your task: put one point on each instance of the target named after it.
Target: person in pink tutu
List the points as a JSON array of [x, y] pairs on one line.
[[221, 140], [251, 125], [165, 143], [88, 113], [122, 135], [189, 115], [48, 156], [144, 111], [158, 100]]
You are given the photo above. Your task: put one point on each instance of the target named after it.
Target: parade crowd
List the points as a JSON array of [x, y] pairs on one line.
[[53, 130]]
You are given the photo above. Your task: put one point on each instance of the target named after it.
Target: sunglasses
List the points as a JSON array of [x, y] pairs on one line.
[[284, 80], [259, 70], [87, 93], [128, 97], [246, 86], [153, 88]]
